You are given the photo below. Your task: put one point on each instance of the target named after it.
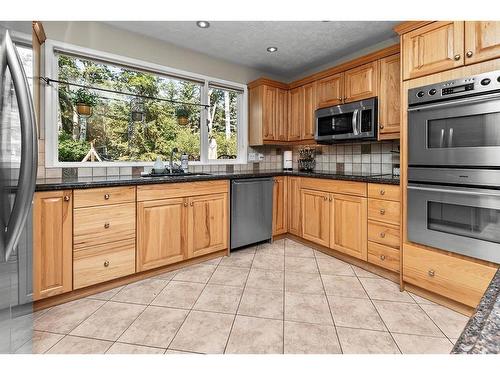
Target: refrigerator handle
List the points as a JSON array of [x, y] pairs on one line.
[[29, 149]]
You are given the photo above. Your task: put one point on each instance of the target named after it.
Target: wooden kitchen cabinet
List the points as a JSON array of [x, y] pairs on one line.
[[52, 243], [296, 113], [330, 91], [348, 220], [482, 41], [389, 98], [281, 111], [294, 226], [361, 82], [433, 48], [269, 113], [308, 126], [279, 205], [315, 216]]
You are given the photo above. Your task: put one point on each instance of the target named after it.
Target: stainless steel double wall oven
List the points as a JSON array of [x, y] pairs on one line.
[[454, 166]]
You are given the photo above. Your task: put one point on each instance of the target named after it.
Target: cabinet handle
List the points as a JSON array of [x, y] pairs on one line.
[[331, 199], [469, 53], [185, 204], [382, 257], [66, 198], [382, 211], [457, 57], [191, 204], [382, 235], [106, 263], [381, 126], [325, 198], [382, 192], [106, 225], [431, 273], [106, 196]]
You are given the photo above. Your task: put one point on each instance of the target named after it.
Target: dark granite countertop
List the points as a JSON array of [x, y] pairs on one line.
[[107, 181], [481, 335]]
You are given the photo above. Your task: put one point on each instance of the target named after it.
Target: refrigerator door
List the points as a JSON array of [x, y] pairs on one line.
[[18, 163]]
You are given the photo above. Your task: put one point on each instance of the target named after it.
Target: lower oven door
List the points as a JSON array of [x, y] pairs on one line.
[[456, 219]]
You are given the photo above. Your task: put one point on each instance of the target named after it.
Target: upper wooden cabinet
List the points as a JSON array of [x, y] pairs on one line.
[[361, 82], [389, 97], [482, 41], [268, 113], [330, 91], [309, 108], [296, 113], [281, 113], [52, 243]]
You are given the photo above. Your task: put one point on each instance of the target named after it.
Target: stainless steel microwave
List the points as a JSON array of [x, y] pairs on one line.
[[345, 122]]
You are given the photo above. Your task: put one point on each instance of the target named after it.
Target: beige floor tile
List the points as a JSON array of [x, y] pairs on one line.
[[121, 348], [304, 265], [296, 249], [355, 313], [307, 308], [213, 262], [219, 298], [268, 262], [40, 343], [166, 275], [231, 276], [107, 294], [156, 326], [238, 259], [385, 290], [408, 318], [320, 254], [265, 279], [251, 335], [203, 332], [360, 341], [450, 322], [142, 292], [333, 266], [343, 286], [412, 344], [245, 250], [360, 272], [303, 283], [262, 303], [109, 322], [306, 338], [21, 330], [64, 318], [80, 345], [171, 351], [180, 294], [198, 273], [421, 300], [275, 248]]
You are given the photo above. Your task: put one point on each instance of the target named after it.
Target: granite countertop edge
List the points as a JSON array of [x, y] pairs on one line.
[[110, 181], [481, 335]]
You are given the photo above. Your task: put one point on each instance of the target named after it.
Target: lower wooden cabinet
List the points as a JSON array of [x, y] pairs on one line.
[[52, 243], [294, 223], [315, 216], [279, 205]]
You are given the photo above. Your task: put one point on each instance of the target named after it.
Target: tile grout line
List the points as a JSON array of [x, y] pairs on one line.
[[284, 292]]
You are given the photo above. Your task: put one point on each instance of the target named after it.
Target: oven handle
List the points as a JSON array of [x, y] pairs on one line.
[[355, 122], [453, 190], [452, 103]]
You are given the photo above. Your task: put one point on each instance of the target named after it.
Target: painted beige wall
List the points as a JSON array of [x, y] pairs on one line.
[[106, 38]]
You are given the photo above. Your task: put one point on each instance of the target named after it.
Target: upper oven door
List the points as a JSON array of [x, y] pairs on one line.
[[461, 220], [462, 132]]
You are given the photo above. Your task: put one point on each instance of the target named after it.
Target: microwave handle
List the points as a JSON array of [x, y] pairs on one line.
[[355, 122]]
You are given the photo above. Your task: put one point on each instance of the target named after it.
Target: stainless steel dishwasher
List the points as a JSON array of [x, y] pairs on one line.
[[251, 211]]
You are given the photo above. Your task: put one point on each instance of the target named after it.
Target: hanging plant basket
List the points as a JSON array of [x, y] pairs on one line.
[[182, 116], [84, 100], [83, 110]]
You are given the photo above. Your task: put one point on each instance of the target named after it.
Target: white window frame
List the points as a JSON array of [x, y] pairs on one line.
[[51, 102]]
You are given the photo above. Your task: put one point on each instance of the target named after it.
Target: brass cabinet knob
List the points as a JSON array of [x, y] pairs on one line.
[[106, 225], [457, 57], [382, 257], [382, 235], [191, 204], [67, 198], [431, 273], [381, 126], [185, 204], [106, 196], [382, 211], [106, 263], [331, 199], [382, 192], [325, 198], [469, 53]]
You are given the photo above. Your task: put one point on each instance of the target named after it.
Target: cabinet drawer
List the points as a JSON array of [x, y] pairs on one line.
[[99, 225], [382, 191], [179, 190], [103, 263], [386, 211], [103, 196], [457, 278], [336, 187], [383, 256], [384, 234]]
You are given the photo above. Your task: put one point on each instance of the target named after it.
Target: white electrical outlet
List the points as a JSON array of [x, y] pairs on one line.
[[251, 156], [261, 157]]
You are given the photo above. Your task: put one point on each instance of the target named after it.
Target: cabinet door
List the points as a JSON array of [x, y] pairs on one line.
[[433, 48], [207, 224], [389, 96], [349, 225], [279, 205], [294, 205], [161, 232], [281, 121], [482, 41], [361, 82], [307, 129], [330, 91], [52, 243], [315, 216], [269, 113], [296, 113]]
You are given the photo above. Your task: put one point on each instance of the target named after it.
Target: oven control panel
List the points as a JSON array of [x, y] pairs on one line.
[[475, 85]]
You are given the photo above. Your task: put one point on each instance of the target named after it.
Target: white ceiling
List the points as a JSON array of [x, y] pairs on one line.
[[302, 45]]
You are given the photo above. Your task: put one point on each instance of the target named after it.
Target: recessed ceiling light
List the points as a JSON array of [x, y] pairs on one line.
[[272, 49], [203, 24]]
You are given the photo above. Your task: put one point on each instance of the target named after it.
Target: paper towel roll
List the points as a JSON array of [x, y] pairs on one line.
[[287, 161]]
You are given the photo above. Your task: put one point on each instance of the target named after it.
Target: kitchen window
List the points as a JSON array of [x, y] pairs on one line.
[[138, 112]]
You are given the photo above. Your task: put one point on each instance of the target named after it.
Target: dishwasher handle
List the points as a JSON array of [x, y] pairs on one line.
[[249, 181]]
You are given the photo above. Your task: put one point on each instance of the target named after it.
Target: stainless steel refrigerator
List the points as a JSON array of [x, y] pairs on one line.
[[18, 164]]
